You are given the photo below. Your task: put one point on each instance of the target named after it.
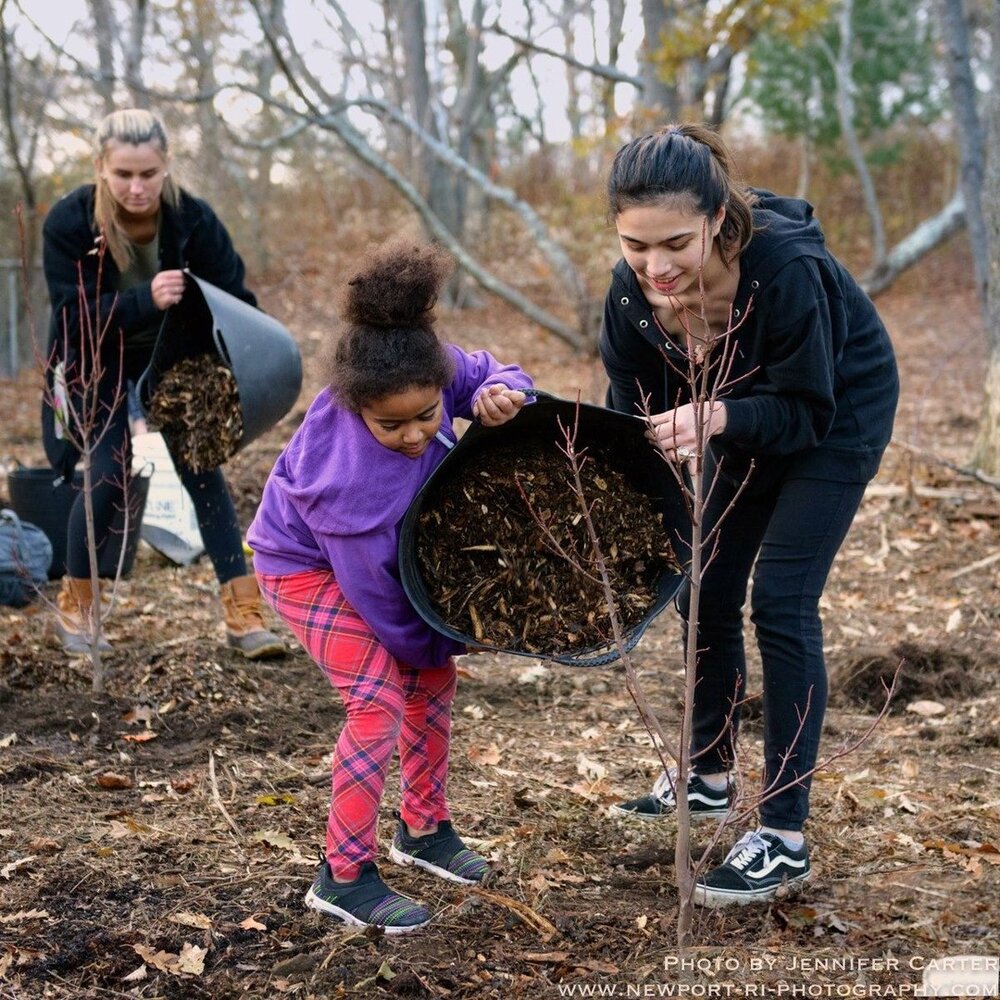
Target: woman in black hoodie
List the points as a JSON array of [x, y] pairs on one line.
[[790, 441], [115, 254]]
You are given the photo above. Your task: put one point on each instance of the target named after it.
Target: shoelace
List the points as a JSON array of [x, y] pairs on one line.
[[663, 788], [746, 849]]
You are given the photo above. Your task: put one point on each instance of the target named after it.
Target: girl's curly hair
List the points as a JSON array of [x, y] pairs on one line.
[[389, 344]]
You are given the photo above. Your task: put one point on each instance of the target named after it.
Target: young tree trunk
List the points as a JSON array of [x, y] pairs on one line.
[[616, 21], [134, 52], [105, 30]]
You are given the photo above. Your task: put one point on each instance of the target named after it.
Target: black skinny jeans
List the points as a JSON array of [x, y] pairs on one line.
[[794, 531], [213, 504]]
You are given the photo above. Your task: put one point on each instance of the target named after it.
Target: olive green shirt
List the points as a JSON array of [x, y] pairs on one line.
[[144, 267]]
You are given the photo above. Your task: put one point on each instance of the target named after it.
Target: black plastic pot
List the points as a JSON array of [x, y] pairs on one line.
[[37, 496], [621, 440], [257, 349]]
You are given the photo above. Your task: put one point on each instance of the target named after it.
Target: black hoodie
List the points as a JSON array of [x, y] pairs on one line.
[[814, 375]]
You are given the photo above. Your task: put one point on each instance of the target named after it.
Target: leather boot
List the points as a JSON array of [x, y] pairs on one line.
[[244, 618], [72, 625]]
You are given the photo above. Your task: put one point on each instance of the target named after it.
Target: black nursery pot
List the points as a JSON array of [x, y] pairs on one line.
[[621, 440], [37, 496], [257, 349]]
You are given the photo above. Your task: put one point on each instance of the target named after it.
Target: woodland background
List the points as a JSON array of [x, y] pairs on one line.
[[158, 843]]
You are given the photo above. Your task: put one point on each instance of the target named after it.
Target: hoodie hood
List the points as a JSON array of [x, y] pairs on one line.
[[333, 467], [792, 231]]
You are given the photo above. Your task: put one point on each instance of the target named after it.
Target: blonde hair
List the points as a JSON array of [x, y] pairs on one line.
[[134, 126]]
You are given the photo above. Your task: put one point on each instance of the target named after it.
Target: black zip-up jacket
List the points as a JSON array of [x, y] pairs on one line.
[[191, 236], [814, 375]]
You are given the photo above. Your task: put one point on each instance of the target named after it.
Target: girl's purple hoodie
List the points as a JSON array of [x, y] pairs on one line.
[[335, 499]]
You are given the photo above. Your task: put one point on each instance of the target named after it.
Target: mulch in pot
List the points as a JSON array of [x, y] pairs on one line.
[[491, 573]]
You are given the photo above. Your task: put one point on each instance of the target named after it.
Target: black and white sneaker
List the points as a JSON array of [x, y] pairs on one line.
[[441, 853], [365, 902], [760, 867], [703, 801]]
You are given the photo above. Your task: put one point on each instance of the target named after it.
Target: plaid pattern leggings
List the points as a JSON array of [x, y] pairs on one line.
[[389, 705]]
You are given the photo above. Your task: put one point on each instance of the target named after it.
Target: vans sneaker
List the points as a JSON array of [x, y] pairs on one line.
[[759, 867], [703, 801], [365, 902], [442, 853]]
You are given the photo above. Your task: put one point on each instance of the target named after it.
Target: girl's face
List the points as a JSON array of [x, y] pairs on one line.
[[134, 175], [406, 421], [666, 246]]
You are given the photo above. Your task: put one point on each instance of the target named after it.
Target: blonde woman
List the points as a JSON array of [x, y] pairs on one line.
[[128, 238]]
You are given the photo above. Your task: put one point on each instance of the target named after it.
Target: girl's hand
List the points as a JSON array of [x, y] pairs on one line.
[[497, 404], [167, 288], [676, 430]]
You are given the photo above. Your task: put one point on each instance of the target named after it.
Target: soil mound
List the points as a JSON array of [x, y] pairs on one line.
[[934, 673]]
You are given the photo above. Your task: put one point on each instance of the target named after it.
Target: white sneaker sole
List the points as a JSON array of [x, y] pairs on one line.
[[399, 858], [315, 902], [617, 811], [715, 898]]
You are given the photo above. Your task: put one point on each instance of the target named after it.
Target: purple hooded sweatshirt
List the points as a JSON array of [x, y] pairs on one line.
[[336, 497]]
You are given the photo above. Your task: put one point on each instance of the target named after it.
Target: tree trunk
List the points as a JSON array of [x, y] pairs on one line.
[[986, 455], [658, 97], [929, 234], [958, 63], [842, 66], [105, 30], [134, 52], [616, 21]]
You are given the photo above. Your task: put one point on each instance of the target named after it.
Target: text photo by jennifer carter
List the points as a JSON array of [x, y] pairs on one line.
[[805, 976]]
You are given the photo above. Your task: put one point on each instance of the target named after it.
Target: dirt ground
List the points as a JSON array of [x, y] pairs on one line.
[[158, 843]]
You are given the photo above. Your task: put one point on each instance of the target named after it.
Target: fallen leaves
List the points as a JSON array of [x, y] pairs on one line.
[[112, 780], [189, 962]]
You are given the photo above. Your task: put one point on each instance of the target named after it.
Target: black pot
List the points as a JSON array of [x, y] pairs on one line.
[[257, 349], [621, 440], [36, 495]]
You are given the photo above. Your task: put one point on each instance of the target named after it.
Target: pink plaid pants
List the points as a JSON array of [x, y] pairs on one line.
[[390, 705]]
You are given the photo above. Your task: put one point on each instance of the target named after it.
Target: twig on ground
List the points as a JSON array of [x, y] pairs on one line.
[[525, 912], [963, 470], [978, 564], [217, 799]]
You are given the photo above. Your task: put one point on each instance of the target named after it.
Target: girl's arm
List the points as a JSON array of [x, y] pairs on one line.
[[212, 256], [480, 372]]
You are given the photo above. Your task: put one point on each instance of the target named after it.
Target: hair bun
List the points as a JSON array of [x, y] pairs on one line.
[[396, 286]]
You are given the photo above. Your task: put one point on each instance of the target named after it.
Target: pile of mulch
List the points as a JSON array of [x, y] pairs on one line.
[[493, 573], [934, 673], [196, 406]]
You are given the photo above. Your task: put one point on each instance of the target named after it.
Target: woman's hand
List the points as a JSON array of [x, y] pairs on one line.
[[676, 430], [167, 289], [497, 404]]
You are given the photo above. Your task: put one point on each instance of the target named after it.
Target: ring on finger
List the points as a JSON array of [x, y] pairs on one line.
[[684, 454]]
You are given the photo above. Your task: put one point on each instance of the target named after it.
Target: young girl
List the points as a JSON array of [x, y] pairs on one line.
[[325, 543], [813, 390]]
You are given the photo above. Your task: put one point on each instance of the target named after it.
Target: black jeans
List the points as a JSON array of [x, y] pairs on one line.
[[213, 504], [793, 528]]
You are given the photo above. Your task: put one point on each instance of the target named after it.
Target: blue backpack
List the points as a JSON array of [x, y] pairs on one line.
[[25, 558]]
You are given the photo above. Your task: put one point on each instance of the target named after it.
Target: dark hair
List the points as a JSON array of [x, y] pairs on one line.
[[389, 344], [683, 162]]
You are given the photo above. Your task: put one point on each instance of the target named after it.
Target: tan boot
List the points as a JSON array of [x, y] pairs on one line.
[[72, 625], [244, 618]]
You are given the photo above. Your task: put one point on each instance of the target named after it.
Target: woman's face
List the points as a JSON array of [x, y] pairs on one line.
[[134, 175], [667, 246], [406, 421]]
